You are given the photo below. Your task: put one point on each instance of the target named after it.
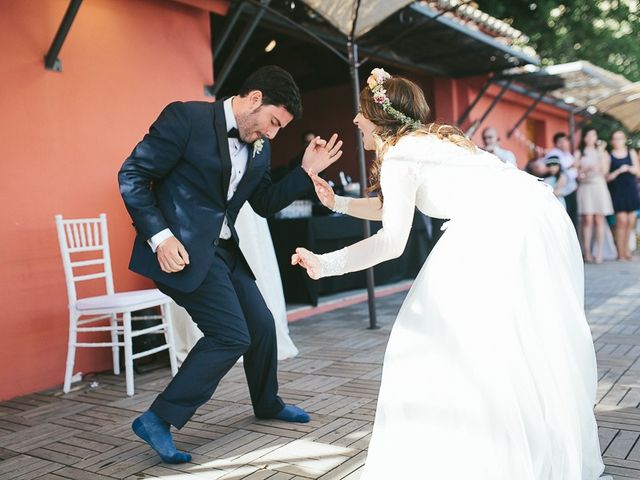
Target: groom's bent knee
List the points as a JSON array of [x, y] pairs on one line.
[[240, 344], [236, 341], [263, 331]]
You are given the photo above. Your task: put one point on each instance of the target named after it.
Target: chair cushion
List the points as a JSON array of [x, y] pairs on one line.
[[123, 300]]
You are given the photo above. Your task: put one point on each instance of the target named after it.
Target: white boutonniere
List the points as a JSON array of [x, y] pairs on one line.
[[257, 146]]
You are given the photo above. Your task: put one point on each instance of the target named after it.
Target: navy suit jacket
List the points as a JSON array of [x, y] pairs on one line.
[[177, 177]]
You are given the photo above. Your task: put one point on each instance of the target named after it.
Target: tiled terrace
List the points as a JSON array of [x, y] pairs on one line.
[[86, 434]]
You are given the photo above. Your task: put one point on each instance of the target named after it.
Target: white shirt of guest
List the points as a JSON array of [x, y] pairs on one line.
[[505, 155], [239, 152]]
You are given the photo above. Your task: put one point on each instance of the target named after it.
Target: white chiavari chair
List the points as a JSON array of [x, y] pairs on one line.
[[84, 245]]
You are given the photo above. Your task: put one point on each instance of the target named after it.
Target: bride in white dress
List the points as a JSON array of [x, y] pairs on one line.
[[490, 370]]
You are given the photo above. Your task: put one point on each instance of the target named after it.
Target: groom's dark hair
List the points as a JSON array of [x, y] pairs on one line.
[[278, 88]]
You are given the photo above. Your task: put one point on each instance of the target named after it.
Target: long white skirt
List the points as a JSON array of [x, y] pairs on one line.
[[490, 369]]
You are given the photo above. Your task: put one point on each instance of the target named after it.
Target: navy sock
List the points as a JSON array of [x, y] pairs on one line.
[[291, 413], [155, 431]]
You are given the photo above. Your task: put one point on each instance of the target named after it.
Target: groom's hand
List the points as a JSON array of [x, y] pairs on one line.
[[319, 154], [172, 256]]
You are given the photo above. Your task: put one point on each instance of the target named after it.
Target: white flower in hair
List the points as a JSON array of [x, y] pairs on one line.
[[379, 76]]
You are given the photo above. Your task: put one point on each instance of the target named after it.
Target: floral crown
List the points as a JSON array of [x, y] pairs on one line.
[[376, 84]]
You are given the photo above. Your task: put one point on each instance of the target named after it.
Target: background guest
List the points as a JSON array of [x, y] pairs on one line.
[[594, 200], [537, 167], [491, 143], [562, 149], [555, 178], [622, 179]]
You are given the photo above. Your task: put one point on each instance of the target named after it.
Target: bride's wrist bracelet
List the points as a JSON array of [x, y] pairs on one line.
[[340, 204]]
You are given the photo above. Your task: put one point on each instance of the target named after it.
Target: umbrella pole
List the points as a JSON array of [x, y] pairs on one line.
[[572, 129], [355, 80]]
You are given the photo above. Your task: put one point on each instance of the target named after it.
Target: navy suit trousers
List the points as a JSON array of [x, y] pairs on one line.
[[231, 313]]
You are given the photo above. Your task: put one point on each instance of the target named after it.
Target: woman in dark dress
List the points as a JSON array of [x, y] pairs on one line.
[[622, 179]]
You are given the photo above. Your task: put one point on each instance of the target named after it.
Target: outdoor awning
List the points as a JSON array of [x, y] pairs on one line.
[[413, 36], [422, 36], [624, 106], [576, 83]]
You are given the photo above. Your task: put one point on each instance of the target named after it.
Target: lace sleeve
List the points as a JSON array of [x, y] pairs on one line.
[[341, 204], [399, 185]]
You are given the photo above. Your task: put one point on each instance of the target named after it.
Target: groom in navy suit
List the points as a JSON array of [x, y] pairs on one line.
[[183, 186]]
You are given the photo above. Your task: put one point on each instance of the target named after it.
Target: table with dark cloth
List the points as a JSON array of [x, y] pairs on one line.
[[322, 234]]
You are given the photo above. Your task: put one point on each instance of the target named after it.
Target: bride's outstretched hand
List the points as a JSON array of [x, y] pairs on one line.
[[323, 190], [308, 261]]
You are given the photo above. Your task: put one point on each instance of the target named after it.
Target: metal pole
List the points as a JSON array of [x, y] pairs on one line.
[[237, 50], [355, 80], [572, 127], [51, 60], [495, 101], [526, 114], [467, 111], [228, 27]]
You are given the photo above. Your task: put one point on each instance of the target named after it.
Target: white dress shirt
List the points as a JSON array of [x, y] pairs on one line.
[[505, 155], [239, 152]]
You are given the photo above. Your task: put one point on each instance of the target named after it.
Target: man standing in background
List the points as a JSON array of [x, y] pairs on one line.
[[491, 143]]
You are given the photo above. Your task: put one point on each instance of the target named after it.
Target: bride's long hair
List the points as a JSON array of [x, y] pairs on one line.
[[408, 98]]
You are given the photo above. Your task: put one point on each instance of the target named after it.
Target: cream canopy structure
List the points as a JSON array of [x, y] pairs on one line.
[[624, 106], [576, 87], [578, 83]]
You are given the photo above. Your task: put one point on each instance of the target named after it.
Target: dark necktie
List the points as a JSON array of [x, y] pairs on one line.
[[233, 133]]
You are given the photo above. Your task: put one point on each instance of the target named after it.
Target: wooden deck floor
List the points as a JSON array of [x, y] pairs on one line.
[[86, 434]]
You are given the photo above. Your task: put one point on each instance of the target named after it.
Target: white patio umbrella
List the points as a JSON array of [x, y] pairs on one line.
[[367, 14], [624, 106]]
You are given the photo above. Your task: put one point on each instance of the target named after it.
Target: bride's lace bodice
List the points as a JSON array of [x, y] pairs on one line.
[[441, 179]]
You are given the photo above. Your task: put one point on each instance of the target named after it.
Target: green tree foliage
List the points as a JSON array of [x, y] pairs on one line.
[[603, 32]]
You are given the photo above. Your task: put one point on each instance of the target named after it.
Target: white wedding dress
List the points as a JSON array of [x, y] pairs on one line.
[[490, 370]]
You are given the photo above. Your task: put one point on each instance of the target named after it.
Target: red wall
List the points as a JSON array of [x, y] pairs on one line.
[[452, 97], [63, 137]]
